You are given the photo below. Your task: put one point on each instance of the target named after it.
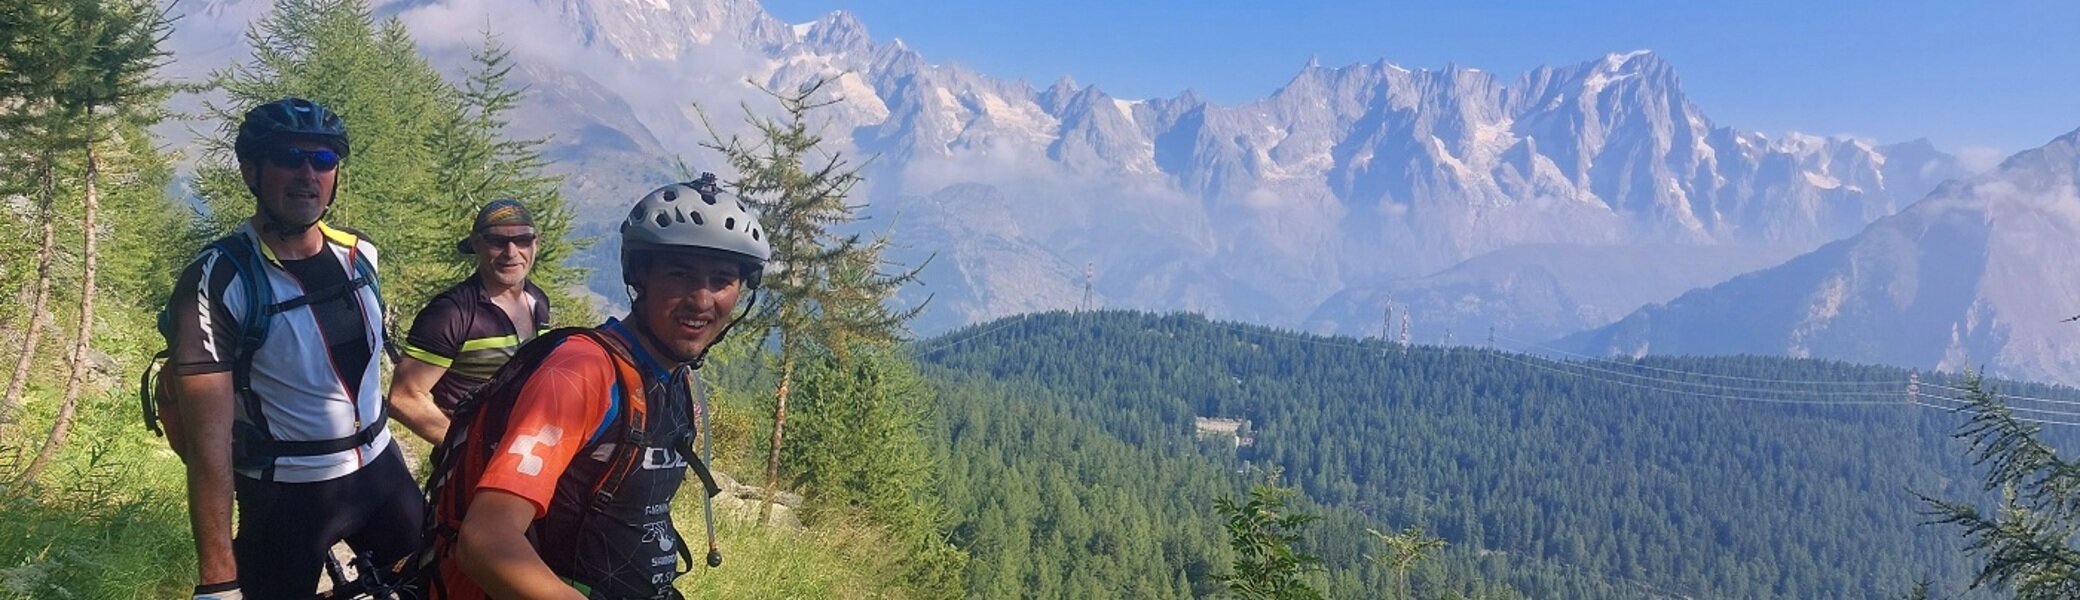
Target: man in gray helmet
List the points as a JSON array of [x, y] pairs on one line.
[[537, 525]]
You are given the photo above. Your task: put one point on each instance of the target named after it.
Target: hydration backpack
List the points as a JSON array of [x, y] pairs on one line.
[[155, 392], [480, 422]]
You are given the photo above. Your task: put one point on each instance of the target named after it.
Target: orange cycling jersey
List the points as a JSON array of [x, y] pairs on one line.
[[558, 411]]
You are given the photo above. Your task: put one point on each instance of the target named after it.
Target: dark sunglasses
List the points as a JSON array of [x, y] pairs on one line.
[[525, 240], [320, 160]]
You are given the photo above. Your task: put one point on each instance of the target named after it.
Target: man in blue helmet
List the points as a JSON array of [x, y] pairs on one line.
[[276, 336]]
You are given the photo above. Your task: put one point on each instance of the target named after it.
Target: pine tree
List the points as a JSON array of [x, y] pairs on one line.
[[1412, 545], [860, 449], [98, 70], [426, 154], [1263, 533], [333, 52], [478, 164], [34, 126], [2028, 540], [827, 289]]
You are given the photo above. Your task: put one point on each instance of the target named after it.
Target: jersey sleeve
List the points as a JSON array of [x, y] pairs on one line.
[[205, 334], [437, 333], [557, 411]]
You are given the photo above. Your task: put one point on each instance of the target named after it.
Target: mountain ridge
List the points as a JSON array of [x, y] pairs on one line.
[[1930, 287]]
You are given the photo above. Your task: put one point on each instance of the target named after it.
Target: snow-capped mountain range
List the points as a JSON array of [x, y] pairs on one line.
[[1309, 207]]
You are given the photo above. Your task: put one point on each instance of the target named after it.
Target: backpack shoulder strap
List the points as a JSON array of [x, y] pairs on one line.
[[259, 293], [632, 421]]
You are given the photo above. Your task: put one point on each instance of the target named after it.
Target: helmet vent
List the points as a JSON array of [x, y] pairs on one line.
[[670, 195], [697, 220], [663, 220], [679, 215], [708, 198], [730, 223], [754, 235]]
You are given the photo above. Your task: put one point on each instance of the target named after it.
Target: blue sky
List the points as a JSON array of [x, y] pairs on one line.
[[1971, 76]]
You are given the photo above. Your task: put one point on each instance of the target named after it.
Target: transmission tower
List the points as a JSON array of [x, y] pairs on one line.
[[1090, 275], [1386, 322]]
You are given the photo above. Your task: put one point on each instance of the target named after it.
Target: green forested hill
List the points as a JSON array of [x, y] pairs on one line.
[[1740, 477]]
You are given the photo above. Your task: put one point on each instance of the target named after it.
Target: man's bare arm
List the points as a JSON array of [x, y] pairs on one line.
[[493, 550], [206, 413], [411, 398]]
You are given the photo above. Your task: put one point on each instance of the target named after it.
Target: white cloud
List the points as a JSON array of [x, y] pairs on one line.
[[1980, 159]]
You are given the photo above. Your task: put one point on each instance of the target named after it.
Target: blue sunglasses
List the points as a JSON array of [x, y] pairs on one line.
[[294, 158]]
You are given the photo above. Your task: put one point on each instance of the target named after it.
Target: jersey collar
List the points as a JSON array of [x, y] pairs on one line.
[[333, 236], [648, 364]]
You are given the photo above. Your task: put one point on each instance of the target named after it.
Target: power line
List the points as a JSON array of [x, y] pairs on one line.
[[1590, 366], [2008, 396], [1695, 393], [1527, 345], [977, 335]]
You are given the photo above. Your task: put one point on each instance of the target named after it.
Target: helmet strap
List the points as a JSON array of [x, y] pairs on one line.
[[275, 224], [702, 358], [698, 360]]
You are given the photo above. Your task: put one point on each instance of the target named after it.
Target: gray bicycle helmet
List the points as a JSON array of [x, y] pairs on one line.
[[286, 119], [695, 216]]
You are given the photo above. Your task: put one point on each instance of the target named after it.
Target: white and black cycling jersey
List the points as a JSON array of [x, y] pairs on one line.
[[316, 375]]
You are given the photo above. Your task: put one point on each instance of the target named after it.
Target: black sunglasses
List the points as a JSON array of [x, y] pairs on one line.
[[525, 240], [292, 157]]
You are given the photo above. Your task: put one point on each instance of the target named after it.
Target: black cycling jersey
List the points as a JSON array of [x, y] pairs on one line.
[[462, 331]]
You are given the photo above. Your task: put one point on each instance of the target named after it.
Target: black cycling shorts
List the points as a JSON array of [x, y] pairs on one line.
[[286, 529]]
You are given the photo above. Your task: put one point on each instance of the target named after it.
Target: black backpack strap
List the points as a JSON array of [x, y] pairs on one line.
[[274, 448], [323, 294], [145, 388], [253, 325]]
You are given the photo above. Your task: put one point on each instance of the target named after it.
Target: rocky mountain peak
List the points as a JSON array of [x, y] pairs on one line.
[[837, 31]]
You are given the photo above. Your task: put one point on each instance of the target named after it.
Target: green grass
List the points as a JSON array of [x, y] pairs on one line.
[[831, 561], [107, 520]]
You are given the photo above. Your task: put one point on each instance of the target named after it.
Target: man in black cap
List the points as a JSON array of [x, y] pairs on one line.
[[468, 331]]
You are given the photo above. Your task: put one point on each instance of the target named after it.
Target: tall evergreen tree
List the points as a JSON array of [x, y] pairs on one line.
[[35, 68], [1404, 549], [479, 163], [426, 153], [335, 53], [93, 77], [826, 288], [861, 449]]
